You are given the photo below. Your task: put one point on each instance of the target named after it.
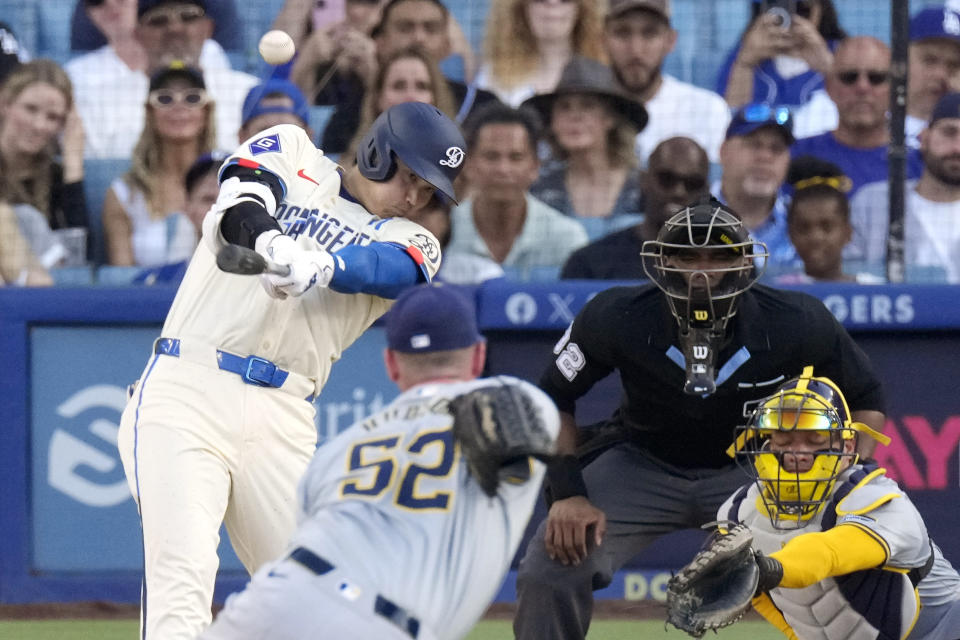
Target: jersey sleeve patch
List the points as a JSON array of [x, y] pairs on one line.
[[266, 144]]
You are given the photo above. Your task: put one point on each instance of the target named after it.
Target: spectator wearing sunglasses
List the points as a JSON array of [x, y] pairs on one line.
[[591, 125], [676, 175], [143, 212], [754, 158], [781, 65], [859, 85], [87, 32], [934, 58], [110, 100]]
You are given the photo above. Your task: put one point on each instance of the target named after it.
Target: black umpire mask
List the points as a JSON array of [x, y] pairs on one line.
[[702, 259]]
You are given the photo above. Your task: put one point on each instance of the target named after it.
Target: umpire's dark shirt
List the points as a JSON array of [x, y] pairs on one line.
[[774, 335]]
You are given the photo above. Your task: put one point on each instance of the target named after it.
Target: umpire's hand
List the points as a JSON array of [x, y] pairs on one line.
[[570, 523]]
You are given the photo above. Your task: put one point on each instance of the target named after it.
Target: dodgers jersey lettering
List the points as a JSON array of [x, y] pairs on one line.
[[390, 502], [306, 334]]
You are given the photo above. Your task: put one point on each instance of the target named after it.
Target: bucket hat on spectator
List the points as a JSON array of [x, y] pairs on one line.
[[583, 75]]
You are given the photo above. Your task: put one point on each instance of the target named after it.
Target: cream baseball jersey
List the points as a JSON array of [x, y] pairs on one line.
[[303, 334]]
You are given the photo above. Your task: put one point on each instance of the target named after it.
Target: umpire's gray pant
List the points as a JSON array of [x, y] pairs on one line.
[[643, 499]]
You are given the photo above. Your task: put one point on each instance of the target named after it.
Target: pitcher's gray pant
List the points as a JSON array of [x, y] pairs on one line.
[[643, 499]]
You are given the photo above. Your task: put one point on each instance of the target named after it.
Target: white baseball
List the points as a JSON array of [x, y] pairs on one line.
[[276, 47]]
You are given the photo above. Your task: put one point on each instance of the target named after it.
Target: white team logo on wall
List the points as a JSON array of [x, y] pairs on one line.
[[454, 157], [520, 308], [68, 453]]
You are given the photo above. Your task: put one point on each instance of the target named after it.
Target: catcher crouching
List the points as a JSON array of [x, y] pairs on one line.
[[822, 544]]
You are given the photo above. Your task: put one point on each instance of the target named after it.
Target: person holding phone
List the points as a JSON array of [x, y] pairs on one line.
[[783, 54]]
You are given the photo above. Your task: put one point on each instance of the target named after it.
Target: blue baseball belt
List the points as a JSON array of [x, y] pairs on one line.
[[252, 370], [382, 606]]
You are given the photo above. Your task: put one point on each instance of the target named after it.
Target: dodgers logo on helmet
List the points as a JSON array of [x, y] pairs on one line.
[[454, 157]]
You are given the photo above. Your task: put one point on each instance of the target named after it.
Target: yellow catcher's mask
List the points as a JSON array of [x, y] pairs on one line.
[[806, 409]]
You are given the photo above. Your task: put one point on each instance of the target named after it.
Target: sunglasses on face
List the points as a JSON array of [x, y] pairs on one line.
[[165, 98], [669, 180], [162, 17], [875, 78], [762, 112]]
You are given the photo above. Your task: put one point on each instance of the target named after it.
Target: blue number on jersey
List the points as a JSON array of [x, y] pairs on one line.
[[408, 495], [384, 466]]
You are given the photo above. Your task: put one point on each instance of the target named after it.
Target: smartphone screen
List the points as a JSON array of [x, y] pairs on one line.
[[328, 12]]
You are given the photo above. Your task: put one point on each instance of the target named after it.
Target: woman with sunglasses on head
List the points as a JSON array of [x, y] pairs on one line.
[[529, 42], [41, 144], [143, 217], [592, 127], [783, 55]]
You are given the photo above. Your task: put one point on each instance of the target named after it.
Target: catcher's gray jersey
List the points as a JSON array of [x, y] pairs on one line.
[[865, 605], [391, 505]]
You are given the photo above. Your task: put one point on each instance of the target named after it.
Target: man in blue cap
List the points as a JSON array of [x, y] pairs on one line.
[[934, 58], [755, 156], [276, 101], [399, 536]]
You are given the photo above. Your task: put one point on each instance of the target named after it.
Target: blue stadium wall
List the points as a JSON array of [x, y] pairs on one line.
[[69, 529]]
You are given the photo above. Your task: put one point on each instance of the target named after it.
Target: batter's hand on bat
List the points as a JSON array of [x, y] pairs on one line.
[[574, 526], [307, 268]]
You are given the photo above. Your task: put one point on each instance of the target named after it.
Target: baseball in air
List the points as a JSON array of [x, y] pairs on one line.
[[276, 47]]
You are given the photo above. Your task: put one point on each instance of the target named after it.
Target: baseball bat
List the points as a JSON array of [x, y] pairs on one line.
[[247, 262]]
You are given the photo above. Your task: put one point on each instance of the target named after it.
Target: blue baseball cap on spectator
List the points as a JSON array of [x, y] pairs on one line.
[[757, 115], [253, 104], [144, 6], [935, 22], [432, 317], [947, 107]]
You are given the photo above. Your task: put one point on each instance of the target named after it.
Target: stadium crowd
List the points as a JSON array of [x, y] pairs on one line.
[[568, 106]]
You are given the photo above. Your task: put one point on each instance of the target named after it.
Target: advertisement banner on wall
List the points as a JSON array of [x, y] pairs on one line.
[[79, 378]]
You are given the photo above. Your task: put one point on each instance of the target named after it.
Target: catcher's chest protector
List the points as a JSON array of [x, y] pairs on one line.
[[874, 604]]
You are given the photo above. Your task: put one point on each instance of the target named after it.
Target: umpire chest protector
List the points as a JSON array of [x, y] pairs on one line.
[[874, 604]]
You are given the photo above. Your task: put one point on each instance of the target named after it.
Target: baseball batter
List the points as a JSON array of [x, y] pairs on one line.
[[398, 537], [851, 556], [220, 426]]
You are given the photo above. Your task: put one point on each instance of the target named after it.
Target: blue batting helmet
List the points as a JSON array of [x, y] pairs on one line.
[[419, 134]]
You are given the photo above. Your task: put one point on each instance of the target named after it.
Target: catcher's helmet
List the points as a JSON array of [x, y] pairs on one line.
[[420, 135], [807, 403], [697, 293]]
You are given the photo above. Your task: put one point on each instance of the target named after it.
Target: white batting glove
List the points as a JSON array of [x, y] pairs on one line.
[[307, 268]]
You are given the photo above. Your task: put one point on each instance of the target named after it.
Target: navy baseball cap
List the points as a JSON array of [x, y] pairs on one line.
[[432, 317], [757, 115], [253, 104], [935, 22], [177, 69], [144, 6], [947, 107]]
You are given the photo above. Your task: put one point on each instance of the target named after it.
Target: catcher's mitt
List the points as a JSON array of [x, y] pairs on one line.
[[497, 426], [715, 589]]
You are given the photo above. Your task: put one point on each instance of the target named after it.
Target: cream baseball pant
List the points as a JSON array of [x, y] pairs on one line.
[[306, 596], [201, 447]]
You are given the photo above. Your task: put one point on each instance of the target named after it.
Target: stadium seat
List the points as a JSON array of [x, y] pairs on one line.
[[111, 276], [53, 36], [72, 276], [98, 174]]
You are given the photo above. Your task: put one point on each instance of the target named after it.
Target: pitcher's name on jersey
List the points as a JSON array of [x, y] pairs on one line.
[[406, 412]]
